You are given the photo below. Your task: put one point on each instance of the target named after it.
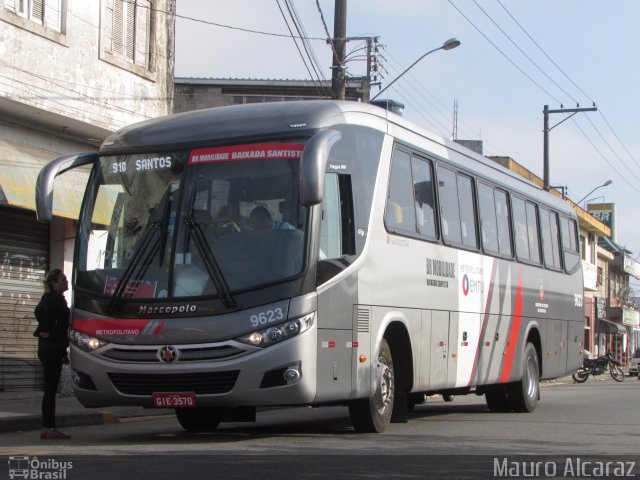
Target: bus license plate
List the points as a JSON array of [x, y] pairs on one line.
[[174, 399]]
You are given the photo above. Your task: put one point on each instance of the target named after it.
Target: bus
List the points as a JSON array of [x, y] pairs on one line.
[[313, 253]]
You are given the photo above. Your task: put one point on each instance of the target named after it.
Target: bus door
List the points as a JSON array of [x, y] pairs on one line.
[[439, 353], [489, 351], [556, 355]]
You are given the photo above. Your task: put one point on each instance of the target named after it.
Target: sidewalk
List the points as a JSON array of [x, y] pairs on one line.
[[22, 411]]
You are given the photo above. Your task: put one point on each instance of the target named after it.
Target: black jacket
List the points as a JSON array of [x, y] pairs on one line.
[[53, 315]]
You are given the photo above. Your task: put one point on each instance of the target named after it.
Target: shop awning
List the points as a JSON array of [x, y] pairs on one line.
[[19, 168], [612, 328]]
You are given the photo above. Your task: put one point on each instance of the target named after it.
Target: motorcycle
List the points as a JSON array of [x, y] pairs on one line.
[[598, 366]]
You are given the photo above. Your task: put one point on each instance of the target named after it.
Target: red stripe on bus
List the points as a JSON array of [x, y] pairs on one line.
[[253, 151], [157, 330], [476, 358], [109, 327], [514, 332]]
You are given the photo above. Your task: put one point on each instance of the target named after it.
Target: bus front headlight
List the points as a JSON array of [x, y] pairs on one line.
[[280, 332]]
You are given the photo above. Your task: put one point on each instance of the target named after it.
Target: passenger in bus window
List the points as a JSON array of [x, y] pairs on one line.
[[224, 222], [424, 209], [260, 219]]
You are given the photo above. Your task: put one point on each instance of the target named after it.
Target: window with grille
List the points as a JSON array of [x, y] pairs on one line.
[[126, 30]]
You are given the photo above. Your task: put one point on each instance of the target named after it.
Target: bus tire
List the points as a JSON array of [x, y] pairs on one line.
[[373, 414], [199, 419], [497, 399], [524, 394]]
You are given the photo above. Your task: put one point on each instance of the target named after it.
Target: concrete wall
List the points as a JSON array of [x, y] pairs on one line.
[[70, 75]]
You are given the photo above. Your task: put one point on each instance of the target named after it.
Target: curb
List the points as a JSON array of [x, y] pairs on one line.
[[34, 422]]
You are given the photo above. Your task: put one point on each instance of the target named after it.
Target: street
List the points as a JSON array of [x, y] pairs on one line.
[[574, 420]]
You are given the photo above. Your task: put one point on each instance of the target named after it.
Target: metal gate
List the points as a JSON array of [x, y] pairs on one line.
[[24, 259]]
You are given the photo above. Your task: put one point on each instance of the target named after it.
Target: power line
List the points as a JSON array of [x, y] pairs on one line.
[[301, 30], [614, 152], [545, 53], [583, 93], [329, 39], [523, 52], [618, 138], [442, 109], [313, 79], [221, 25], [503, 54], [554, 82], [604, 157]]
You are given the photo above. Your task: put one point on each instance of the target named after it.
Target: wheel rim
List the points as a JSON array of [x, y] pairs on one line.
[[532, 375], [385, 380]]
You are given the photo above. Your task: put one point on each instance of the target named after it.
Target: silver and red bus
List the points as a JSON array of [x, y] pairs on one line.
[[313, 253]]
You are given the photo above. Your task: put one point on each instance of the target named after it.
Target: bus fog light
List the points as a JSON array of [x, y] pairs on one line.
[[274, 334], [291, 375], [292, 328]]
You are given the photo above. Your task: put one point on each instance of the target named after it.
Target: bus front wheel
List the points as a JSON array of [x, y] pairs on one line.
[[373, 414], [199, 419]]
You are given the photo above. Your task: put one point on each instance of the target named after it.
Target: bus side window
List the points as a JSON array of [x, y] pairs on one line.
[[569, 237], [520, 228], [532, 230], [330, 228], [449, 206], [467, 212], [457, 208], [337, 237], [502, 218], [424, 198], [488, 223], [400, 214], [550, 241]]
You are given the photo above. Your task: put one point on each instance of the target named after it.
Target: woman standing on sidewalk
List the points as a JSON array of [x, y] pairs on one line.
[[52, 314]]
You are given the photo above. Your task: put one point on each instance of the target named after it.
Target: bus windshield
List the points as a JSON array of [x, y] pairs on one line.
[[209, 222]]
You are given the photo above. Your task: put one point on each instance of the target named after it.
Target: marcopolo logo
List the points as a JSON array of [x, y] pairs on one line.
[[149, 310], [37, 469]]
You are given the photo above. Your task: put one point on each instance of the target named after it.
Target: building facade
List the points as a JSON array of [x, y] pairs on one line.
[[198, 93], [72, 72]]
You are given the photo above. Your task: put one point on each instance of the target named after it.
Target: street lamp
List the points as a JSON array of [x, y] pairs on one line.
[[607, 183], [448, 45]]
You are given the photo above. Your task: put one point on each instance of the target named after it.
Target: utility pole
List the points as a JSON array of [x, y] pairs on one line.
[[366, 84], [546, 131], [338, 81]]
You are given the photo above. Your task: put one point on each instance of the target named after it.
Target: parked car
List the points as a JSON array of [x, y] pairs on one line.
[[634, 363]]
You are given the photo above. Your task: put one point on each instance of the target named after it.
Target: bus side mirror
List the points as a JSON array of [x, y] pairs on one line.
[[44, 184], [313, 164]]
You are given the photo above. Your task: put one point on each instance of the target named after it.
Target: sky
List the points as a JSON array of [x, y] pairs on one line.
[[515, 57]]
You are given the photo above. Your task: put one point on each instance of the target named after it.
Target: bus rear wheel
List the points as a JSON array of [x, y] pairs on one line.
[[373, 414], [524, 394], [199, 419]]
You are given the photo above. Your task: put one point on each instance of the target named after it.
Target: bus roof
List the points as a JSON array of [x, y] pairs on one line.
[[206, 127]]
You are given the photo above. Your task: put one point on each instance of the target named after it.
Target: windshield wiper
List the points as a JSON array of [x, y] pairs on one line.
[[211, 264], [149, 245]]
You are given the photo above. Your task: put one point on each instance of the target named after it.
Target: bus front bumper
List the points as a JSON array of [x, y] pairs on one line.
[[281, 374]]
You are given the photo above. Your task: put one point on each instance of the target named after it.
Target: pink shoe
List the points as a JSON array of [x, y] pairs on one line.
[[54, 435]]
